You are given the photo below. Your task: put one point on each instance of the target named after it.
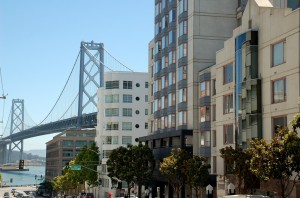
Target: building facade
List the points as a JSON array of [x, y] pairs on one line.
[[63, 148], [122, 118], [187, 35], [254, 85]]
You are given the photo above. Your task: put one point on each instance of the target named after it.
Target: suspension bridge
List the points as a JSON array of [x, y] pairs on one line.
[[75, 107]]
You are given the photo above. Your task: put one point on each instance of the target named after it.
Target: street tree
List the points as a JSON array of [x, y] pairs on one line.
[[278, 159], [173, 168], [238, 161], [143, 164], [88, 158], [120, 166], [197, 174]]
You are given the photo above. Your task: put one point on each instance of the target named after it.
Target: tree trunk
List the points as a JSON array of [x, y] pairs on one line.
[[139, 191]]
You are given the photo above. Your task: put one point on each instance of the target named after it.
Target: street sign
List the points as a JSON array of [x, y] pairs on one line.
[[76, 167]]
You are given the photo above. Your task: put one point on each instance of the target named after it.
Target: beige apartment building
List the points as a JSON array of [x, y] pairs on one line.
[[254, 85], [64, 147]]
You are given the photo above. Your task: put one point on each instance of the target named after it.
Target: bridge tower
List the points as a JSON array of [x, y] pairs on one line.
[[17, 124], [91, 74]]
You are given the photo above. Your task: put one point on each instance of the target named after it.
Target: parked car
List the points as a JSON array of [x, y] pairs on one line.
[[20, 195], [89, 195]]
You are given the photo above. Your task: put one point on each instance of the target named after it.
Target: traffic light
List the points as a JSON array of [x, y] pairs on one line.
[[21, 164], [67, 165]]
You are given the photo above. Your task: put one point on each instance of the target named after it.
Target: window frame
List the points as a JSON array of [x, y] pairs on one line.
[[226, 71], [284, 90], [273, 64]]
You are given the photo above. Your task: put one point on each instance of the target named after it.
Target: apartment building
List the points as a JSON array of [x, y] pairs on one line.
[[187, 35], [254, 85], [64, 147], [122, 118]]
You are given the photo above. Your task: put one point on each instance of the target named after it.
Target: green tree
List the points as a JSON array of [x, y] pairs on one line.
[[197, 175], [143, 164], [238, 159], [88, 158], [173, 168], [279, 158], [120, 166]]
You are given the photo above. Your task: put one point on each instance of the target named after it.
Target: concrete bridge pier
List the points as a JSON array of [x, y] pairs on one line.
[[3, 154]]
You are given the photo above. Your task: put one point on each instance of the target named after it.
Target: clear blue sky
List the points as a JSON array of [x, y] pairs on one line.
[[39, 42]]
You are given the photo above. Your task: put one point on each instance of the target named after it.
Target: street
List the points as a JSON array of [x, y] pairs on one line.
[[22, 189]]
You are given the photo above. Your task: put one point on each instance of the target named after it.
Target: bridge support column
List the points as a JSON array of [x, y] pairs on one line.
[[16, 125], [3, 152]]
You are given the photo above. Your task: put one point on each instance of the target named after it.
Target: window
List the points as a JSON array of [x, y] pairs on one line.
[[127, 84], [172, 15], [106, 153], [157, 8], [228, 104], [182, 118], [146, 111], [182, 6], [146, 98], [127, 112], [182, 95], [80, 143], [112, 84], [146, 125], [171, 37], [175, 141], [137, 112], [188, 140], [205, 114], [127, 98], [204, 89], [126, 126], [214, 112], [214, 168], [67, 153], [137, 84], [112, 126], [182, 28], [172, 57], [110, 140], [146, 84], [171, 99], [279, 90], [228, 73], [182, 50], [182, 73], [110, 112], [171, 120], [68, 143], [172, 78], [205, 139], [113, 98], [214, 138], [294, 4], [278, 53], [214, 91], [278, 122], [228, 134], [137, 126], [126, 139]]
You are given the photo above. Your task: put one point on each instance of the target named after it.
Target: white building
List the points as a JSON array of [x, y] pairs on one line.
[[122, 116]]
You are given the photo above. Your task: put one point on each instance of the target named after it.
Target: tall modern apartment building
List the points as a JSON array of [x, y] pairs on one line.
[[122, 118], [187, 35]]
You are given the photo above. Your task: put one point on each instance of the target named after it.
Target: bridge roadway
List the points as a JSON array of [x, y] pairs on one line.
[[87, 121]]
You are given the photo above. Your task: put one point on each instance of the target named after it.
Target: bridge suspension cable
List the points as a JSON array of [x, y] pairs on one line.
[[117, 60], [61, 91]]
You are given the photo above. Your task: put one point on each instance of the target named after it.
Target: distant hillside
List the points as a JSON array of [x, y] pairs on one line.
[[15, 156], [41, 153]]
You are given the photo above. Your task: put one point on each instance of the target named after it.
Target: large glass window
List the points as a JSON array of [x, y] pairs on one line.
[[279, 90], [171, 99], [162, 82], [127, 98], [278, 53], [110, 140], [110, 112], [182, 6], [279, 122], [172, 15], [157, 8], [126, 126], [182, 95], [205, 139], [182, 28], [171, 120], [112, 126], [228, 134], [113, 98], [127, 84], [294, 4], [205, 114], [112, 84], [182, 50], [68, 143], [80, 143], [182, 118], [204, 89], [127, 112], [214, 138], [171, 38], [172, 78], [228, 103], [228, 73], [182, 73], [172, 57], [126, 139]]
